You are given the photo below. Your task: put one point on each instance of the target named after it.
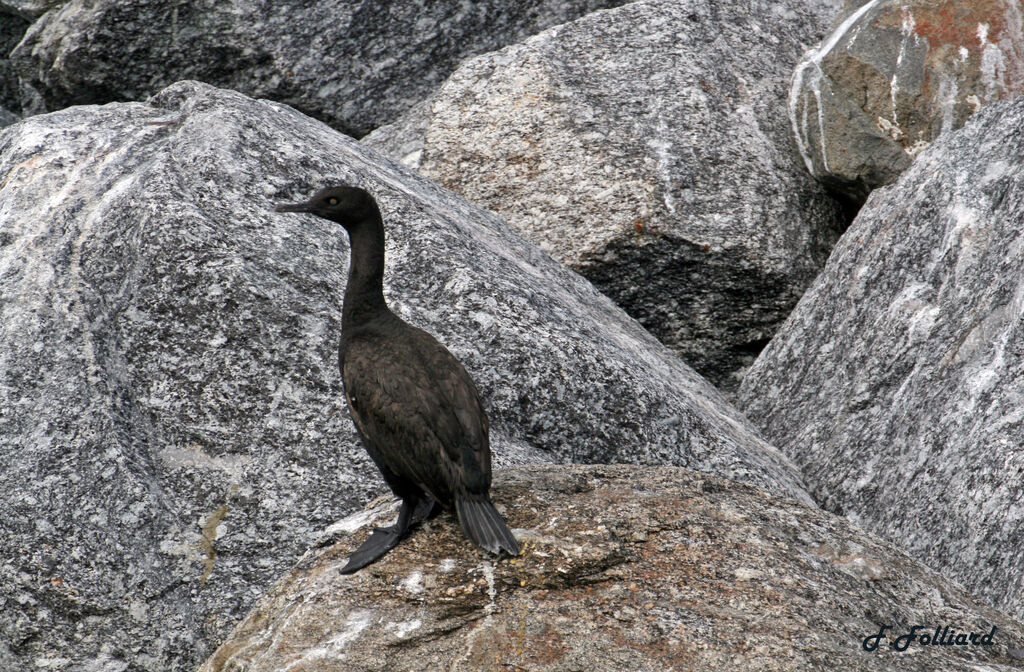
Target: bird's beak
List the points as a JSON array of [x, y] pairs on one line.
[[292, 207]]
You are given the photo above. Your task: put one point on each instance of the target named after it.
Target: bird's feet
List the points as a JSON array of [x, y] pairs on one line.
[[383, 539], [426, 509], [380, 541]]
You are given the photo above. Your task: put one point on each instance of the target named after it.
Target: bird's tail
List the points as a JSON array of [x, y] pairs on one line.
[[484, 526]]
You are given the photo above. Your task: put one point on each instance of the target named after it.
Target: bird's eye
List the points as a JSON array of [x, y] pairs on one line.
[[332, 201]]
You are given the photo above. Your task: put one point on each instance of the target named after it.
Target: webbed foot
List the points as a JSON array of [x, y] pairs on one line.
[[383, 539]]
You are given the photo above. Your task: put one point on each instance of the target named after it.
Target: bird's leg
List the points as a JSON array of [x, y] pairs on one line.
[[426, 509], [383, 539]]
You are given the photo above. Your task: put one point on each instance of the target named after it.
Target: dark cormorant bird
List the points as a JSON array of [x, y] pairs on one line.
[[413, 404]]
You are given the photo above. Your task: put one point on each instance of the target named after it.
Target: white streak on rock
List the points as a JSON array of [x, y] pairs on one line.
[[947, 95], [993, 64], [907, 29], [492, 591], [402, 629], [335, 647], [357, 520], [813, 59], [414, 582], [661, 148]]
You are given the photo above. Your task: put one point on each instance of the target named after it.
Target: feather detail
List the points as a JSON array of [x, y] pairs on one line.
[[484, 526]]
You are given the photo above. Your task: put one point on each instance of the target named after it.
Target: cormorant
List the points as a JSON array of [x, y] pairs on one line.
[[415, 408]]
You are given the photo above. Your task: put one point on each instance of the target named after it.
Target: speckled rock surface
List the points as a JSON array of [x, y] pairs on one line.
[[402, 140], [355, 65], [28, 9], [898, 381], [171, 420], [624, 569], [647, 148], [893, 76]]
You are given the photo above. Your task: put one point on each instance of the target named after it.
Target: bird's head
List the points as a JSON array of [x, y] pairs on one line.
[[347, 206]]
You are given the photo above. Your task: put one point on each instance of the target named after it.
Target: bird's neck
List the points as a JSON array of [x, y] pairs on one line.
[[364, 294]]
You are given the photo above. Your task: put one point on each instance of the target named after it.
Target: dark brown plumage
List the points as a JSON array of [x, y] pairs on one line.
[[414, 406]]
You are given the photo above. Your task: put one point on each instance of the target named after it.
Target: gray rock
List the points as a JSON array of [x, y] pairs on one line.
[[7, 118], [893, 76], [354, 65], [402, 140], [647, 148], [897, 383], [171, 417], [618, 578], [846, 8], [28, 9], [831, 10]]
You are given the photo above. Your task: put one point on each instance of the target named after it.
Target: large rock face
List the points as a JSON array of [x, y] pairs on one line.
[[171, 422], [355, 65], [893, 76], [898, 381], [647, 148], [686, 572]]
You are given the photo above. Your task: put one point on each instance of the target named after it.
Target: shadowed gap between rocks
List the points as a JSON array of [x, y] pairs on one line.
[[723, 344], [12, 29]]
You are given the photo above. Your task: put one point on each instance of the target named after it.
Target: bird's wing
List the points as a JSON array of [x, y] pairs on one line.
[[466, 430], [419, 414]]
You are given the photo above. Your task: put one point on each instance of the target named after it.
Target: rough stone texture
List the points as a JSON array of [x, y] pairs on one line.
[[827, 12], [28, 9], [893, 76], [402, 140], [171, 422], [624, 568], [898, 382], [647, 148], [355, 65]]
